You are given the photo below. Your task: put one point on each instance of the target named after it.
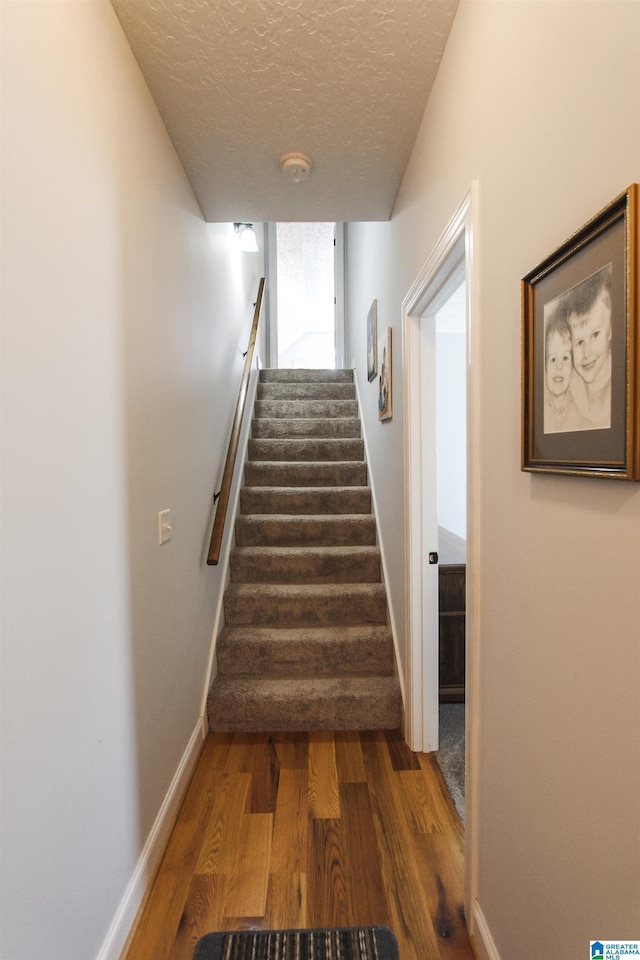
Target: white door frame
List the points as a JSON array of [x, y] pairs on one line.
[[339, 285], [421, 712], [271, 305]]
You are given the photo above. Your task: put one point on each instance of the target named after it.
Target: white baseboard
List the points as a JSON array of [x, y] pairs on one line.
[[481, 939], [125, 916]]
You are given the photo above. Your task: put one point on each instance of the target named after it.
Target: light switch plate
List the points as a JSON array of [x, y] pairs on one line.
[[164, 526]]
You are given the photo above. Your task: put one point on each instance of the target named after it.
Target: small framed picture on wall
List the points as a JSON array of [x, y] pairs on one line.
[[372, 341], [385, 407]]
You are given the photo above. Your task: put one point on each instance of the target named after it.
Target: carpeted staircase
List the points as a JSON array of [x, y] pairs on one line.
[[306, 643]]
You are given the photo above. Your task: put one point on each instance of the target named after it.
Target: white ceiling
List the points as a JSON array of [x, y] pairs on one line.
[[239, 83]]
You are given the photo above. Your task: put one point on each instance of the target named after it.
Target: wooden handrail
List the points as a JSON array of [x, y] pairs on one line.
[[227, 476]]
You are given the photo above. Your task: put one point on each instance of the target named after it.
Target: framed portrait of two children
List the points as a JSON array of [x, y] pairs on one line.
[[580, 352]]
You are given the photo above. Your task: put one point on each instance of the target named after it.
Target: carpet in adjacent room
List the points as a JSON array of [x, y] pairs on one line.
[[450, 756]]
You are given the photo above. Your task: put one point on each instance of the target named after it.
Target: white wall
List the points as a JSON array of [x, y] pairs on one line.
[[124, 315], [540, 101], [451, 400]]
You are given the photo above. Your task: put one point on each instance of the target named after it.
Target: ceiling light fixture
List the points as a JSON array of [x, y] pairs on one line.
[[248, 241], [295, 166]]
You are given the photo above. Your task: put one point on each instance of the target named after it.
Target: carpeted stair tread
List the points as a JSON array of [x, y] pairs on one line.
[[306, 375], [306, 391], [269, 604], [266, 564], [311, 473], [306, 408], [315, 703], [299, 651], [307, 427], [333, 448], [313, 531], [305, 500]]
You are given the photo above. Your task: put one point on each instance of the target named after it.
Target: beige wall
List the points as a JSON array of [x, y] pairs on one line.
[[123, 318], [540, 101]]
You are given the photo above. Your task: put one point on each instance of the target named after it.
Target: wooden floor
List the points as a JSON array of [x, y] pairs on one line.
[[310, 830]]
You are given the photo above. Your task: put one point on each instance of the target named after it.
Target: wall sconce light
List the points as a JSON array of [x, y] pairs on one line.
[[248, 240]]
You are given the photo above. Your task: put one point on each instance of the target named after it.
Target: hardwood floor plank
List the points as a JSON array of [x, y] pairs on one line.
[[408, 904], [371, 736], [243, 747], [402, 758], [286, 901], [216, 751], [290, 827], [241, 923], [265, 770], [367, 900], [210, 761], [442, 880], [419, 801], [327, 898], [158, 925], [248, 879], [203, 912], [220, 842], [324, 799], [349, 762], [292, 750]]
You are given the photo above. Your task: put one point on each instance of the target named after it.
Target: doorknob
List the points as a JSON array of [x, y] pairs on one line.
[[433, 557]]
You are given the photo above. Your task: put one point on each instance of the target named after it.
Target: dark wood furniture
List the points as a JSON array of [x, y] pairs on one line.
[[451, 590]]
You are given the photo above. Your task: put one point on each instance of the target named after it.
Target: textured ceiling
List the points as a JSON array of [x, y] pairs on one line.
[[240, 82]]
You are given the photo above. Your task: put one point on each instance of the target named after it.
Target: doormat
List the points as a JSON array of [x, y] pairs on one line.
[[340, 943]]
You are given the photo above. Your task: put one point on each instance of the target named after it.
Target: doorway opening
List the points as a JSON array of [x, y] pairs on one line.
[[451, 445], [306, 267], [453, 258], [442, 320]]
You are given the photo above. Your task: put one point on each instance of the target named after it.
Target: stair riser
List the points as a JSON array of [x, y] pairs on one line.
[[306, 391], [279, 610], [316, 532], [306, 408], [300, 568], [376, 711], [264, 473], [274, 428], [306, 450], [302, 375], [289, 659], [303, 500]]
